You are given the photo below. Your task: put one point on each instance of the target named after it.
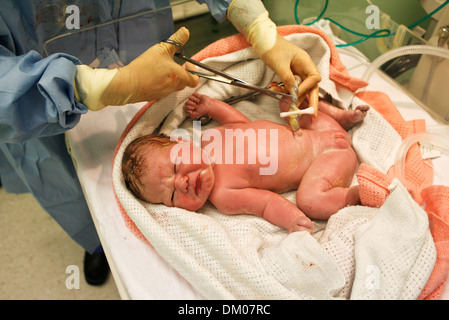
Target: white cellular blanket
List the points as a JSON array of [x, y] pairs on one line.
[[360, 253]]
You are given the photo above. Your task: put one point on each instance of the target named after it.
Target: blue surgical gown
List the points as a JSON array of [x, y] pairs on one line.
[[37, 104]]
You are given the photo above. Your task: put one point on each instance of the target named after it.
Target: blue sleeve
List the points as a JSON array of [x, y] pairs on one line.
[[36, 95], [218, 8]]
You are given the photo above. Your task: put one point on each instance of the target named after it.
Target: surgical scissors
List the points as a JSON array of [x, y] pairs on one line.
[[223, 77]]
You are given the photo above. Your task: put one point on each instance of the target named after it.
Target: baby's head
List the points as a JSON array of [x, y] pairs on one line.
[[158, 170]]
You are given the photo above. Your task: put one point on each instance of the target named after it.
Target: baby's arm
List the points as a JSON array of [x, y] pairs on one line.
[[198, 105], [266, 204]]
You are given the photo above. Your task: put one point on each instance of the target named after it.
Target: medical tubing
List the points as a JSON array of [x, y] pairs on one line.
[[378, 34], [326, 3], [401, 51], [437, 140], [428, 16]]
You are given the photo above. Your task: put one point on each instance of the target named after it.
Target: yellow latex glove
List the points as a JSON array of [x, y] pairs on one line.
[[152, 75], [289, 60], [251, 18]]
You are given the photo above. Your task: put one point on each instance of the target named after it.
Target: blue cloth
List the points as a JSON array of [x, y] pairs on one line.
[[37, 103], [37, 97], [123, 40], [218, 8]]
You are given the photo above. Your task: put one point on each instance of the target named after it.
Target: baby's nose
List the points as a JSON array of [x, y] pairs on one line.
[[182, 183]]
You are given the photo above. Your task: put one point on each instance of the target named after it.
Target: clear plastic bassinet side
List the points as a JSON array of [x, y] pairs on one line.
[[437, 139]]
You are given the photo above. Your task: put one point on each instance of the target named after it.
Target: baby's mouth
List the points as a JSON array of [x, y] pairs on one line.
[[198, 184]]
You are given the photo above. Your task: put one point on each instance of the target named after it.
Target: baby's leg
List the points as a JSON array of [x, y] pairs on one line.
[[324, 189], [345, 118]]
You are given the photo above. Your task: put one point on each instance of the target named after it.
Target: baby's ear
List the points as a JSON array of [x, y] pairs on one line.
[[178, 139], [183, 140]]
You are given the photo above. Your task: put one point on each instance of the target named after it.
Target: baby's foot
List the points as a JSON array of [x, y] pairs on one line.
[[301, 223], [348, 118]]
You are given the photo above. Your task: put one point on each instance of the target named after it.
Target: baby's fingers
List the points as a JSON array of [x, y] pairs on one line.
[[190, 108], [195, 97], [191, 102]]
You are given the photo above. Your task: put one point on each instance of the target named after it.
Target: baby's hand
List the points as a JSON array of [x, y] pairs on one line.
[[198, 105]]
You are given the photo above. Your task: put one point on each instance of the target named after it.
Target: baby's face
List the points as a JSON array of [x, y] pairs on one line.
[[178, 177]]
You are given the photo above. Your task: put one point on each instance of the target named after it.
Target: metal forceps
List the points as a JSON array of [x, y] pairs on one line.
[[223, 77]]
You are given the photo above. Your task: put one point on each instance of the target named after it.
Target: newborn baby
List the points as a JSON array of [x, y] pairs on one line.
[[317, 161]]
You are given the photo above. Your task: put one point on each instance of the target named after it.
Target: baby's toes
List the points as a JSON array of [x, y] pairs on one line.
[[363, 107], [360, 113], [302, 223]]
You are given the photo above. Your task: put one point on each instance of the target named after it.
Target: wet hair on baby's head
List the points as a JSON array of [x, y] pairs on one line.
[[132, 162]]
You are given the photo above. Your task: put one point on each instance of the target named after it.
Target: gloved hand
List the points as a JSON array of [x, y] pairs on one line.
[[288, 60], [251, 18], [152, 75]]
